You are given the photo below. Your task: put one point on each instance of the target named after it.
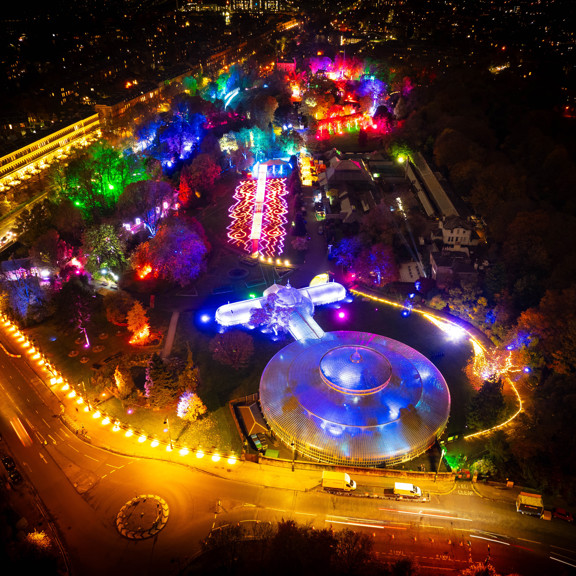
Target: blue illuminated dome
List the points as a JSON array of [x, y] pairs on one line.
[[354, 398]]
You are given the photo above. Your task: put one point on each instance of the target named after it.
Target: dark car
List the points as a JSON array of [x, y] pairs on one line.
[[15, 477], [9, 463], [562, 514]]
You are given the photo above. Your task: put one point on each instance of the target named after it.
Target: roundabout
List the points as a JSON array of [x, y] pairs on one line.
[[142, 517]]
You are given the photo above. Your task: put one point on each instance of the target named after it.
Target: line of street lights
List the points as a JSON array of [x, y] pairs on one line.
[[56, 381]]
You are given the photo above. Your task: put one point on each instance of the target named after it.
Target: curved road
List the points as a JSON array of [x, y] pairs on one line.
[[84, 486]]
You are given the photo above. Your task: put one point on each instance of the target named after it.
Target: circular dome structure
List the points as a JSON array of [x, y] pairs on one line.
[[354, 398]]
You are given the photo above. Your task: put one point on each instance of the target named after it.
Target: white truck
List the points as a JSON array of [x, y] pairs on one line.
[[531, 504], [337, 482], [403, 490]]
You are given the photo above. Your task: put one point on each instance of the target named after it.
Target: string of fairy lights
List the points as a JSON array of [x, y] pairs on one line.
[[486, 364], [73, 396]]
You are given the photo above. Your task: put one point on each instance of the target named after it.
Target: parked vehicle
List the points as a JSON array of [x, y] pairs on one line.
[[562, 514], [530, 504], [403, 490], [337, 482]]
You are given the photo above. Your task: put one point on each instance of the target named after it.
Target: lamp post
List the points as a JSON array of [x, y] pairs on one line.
[[442, 452], [167, 422], [405, 160]]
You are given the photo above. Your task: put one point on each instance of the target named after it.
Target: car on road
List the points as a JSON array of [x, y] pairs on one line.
[[562, 514], [9, 463]]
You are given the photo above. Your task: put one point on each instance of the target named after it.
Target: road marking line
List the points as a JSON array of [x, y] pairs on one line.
[[531, 541], [42, 456], [560, 548], [490, 539], [380, 526], [95, 459], [425, 514], [562, 561]]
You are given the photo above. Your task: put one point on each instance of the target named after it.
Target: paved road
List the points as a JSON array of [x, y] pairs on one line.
[[84, 480]]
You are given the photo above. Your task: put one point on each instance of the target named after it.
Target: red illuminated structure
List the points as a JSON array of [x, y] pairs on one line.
[[259, 215]]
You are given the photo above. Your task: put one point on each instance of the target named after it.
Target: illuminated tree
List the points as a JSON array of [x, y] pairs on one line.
[[145, 200], [124, 382], [50, 250], [103, 249], [481, 569], [234, 348], [290, 142], [182, 134], [177, 253], [159, 387], [23, 294], [272, 315], [377, 264], [552, 329], [117, 304], [190, 407], [198, 179], [112, 170], [189, 378], [137, 319], [346, 252], [74, 303]]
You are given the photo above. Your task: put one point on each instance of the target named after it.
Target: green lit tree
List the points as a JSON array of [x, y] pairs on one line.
[[103, 249]]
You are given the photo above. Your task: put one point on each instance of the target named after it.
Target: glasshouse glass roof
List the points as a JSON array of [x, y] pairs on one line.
[[354, 398]]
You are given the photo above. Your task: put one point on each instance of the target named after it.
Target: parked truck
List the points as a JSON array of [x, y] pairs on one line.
[[403, 490], [337, 482], [531, 504]]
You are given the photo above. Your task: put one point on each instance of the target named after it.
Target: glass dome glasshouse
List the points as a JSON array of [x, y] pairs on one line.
[[355, 399]]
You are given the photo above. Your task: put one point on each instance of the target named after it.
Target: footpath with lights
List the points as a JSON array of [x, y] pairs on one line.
[[89, 422], [97, 427]]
